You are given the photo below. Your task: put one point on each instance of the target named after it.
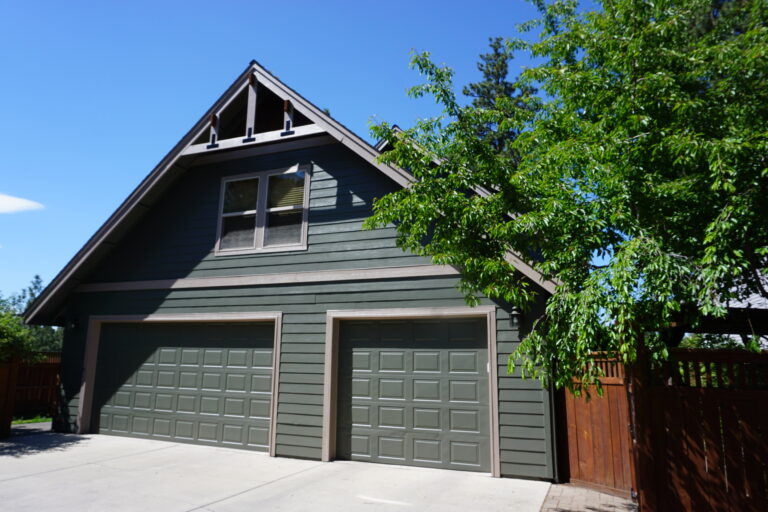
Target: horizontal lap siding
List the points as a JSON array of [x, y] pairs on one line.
[[176, 238], [523, 410], [72, 354]]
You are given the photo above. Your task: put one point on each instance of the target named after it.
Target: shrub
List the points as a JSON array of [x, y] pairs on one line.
[[15, 338]]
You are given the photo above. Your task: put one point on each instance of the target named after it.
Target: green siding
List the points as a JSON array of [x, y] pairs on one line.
[[524, 412], [176, 239]]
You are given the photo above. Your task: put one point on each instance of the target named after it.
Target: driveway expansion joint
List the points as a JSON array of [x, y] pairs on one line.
[[245, 491], [89, 463]]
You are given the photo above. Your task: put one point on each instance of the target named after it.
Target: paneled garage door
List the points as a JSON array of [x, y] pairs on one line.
[[198, 383], [415, 393]]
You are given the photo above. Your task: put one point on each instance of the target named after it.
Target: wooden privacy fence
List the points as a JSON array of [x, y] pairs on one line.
[[37, 386], [706, 433], [8, 372], [599, 444]]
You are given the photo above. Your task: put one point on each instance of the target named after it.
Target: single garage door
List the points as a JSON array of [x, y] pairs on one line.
[[415, 393], [197, 383]]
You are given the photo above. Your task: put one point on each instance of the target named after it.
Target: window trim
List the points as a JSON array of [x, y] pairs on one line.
[[262, 210]]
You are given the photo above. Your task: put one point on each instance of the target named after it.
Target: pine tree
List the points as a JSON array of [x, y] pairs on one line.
[[494, 87]]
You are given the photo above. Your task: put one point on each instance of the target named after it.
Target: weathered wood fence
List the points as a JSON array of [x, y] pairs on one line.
[[37, 386], [8, 373], [691, 436], [707, 416], [599, 444]]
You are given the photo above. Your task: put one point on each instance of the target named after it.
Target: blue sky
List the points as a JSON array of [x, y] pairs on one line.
[[94, 94]]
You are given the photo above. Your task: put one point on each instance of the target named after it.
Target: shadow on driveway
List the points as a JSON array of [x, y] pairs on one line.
[[36, 438]]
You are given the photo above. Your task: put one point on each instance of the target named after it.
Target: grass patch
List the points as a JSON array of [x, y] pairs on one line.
[[36, 419]]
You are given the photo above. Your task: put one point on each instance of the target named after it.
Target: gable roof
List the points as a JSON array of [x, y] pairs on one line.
[[46, 308]]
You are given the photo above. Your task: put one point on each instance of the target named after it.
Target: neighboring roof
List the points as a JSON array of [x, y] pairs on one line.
[[47, 306]]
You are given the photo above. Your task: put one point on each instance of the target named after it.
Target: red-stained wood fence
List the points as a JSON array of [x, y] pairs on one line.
[[8, 372], [689, 436], [707, 414], [599, 443], [37, 386]]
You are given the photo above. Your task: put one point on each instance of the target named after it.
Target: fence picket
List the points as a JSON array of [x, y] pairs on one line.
[[37, 386], [705, 443]]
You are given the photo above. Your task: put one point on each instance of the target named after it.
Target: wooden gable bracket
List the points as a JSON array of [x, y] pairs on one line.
[[250, 116], [288, 129], [214, 132], [287, 118]]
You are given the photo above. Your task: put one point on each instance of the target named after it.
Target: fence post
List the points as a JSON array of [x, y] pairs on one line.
[[640, 411]]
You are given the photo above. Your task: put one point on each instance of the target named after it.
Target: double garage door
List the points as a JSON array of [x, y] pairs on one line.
[[197, 383]]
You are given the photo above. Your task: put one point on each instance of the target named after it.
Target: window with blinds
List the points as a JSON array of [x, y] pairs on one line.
[[264, 212]]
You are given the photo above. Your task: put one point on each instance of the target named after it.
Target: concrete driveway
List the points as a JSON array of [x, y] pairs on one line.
[[46, 471]]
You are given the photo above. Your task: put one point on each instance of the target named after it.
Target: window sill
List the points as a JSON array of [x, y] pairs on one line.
[[277, 248]]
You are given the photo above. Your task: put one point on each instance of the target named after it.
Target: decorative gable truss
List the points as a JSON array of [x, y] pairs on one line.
[[253, 114], [256, 111]]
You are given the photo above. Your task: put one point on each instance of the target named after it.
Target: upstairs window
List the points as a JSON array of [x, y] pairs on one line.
[[264, 212]]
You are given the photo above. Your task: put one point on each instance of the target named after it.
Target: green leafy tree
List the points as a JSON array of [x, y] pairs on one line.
[[41, 337], [641, 185], [15, 338]]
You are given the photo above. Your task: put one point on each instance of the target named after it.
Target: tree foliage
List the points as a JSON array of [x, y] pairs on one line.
[[15, 338], [41, 337], [641, 183], [494, 67]]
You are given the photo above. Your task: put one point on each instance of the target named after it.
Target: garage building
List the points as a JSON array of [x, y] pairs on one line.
[[234, 300]]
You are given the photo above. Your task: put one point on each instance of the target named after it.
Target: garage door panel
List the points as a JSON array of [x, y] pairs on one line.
[[414, 393], [189, 380], [428, 390], [391, 389], [261, 383], [463, 362], [427, 418], [161, 427], [427, 451], [262, 359], [184, 430], [258, 436], [210, 383], [259, 408], [465, 453], [465, 391], [426, 361]]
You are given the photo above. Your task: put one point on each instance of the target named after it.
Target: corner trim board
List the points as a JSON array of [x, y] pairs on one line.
[[93, 337], [330, 376], [319, 276]]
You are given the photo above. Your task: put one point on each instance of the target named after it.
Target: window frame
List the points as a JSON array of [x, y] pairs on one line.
[[262, 210]]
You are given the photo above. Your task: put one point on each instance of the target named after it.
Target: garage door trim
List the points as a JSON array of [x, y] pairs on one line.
[[85, 407], [330, 380]]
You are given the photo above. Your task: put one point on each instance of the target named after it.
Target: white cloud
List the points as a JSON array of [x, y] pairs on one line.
[[10, 204]]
